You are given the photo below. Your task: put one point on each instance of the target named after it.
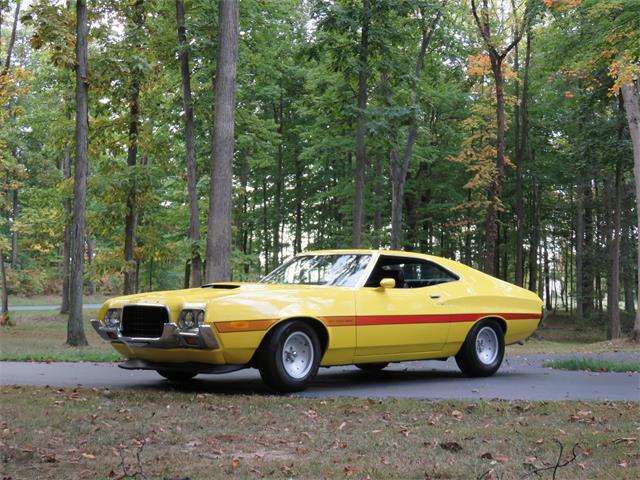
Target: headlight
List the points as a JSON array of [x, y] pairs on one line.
[[112, 317], [190, 319]]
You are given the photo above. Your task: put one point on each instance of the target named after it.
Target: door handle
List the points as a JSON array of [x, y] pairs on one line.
[[435, 295]]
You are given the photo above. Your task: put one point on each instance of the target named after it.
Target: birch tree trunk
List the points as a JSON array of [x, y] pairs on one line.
[[219, 224]]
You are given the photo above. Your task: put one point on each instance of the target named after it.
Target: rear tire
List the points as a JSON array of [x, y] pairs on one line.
[[372, 367], [176, 375], [483, 350], [289, 358]]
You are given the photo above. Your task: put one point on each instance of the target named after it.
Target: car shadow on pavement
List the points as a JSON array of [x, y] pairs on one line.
[[338, 382]]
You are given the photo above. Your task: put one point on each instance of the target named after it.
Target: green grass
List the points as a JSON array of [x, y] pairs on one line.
[[564, 334], [594, 365], [50, 300], [168, 433], [41, 335]]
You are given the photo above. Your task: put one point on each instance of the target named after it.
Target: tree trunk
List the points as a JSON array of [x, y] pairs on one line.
[[265, 228], [377, 203], [547, 287], [535, 238], [632, 107], [219, 224], [14, 232], [491, 225], [12, 39], [521, 147], [4, 312], [66, 248], [75, 326], [579, 251], [588, 268], [613, 277], [278, 183], [131, 219], [90, 253], [297, 240], [361, 158], [190, 152]]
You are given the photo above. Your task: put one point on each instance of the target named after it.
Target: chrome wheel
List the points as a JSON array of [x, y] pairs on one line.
[[487, 345], [297, 355]]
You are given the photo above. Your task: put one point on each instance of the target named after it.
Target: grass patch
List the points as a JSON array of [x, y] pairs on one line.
[[83, 433], [50, 300], [594, 365], [40, 336], [565, 334]]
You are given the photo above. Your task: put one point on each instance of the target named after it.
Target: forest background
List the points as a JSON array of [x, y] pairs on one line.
[[499, 133]]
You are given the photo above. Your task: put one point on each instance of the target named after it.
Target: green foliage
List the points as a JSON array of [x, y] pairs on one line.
[[295, 134]]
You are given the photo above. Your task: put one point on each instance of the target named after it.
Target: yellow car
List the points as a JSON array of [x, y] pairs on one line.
[[324, 308]]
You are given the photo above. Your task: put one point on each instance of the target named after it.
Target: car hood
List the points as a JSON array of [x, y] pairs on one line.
[[207, 293]]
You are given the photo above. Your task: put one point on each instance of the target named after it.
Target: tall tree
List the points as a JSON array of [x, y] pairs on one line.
[[361, 124], [190, 157], [400, 166], [75, 327], [219, 224], [497, 56], [131, 218], [632, 107]]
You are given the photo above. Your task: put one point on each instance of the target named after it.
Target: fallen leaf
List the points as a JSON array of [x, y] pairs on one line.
[[90, 456], [451, 446], [342, 425], [48, 458], [457, 414], [235, 462]]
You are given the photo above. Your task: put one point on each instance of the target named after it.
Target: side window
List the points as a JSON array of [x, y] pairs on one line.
[[409, 272], [424, 274]]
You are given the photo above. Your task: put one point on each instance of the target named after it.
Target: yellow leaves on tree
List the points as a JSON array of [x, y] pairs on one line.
[[625, 70], [478, 149]]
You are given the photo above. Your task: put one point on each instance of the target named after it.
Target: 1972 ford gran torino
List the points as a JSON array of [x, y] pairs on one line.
[[338, 307]]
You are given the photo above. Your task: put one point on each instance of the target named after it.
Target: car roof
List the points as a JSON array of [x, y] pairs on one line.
[[342, 251]]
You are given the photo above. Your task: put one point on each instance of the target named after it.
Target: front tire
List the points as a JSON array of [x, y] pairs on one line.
[[176, 375], [483, 350], [290, 357]]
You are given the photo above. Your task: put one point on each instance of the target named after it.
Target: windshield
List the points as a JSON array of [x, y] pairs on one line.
[[337, 270]]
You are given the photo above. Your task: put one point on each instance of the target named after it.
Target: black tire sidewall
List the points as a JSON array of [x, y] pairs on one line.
[[271, 366], [468, 359]]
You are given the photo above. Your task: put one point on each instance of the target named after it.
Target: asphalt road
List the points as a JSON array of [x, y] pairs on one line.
[[520, 378]]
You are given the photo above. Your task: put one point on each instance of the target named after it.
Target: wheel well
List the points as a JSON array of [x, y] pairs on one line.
[[317, 325], [501, 322]]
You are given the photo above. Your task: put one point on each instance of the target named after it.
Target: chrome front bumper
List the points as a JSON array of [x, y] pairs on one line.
[[171, 337]]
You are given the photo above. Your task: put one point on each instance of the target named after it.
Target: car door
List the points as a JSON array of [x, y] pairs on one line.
[[408, 320]]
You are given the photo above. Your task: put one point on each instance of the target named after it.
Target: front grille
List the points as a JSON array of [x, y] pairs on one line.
[[143, 321]]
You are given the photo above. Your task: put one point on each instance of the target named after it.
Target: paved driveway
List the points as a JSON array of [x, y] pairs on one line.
[[521, 377]]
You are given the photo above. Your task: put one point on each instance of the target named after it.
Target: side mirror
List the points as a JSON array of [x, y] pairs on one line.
[[387, 283]]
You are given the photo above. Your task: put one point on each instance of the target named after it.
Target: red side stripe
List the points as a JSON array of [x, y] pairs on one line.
[[451, 318]]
